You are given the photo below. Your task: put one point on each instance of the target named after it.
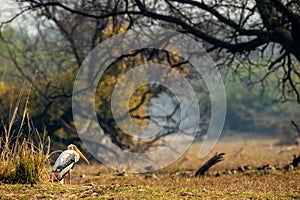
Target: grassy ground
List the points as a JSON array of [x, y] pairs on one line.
[[177, 181]]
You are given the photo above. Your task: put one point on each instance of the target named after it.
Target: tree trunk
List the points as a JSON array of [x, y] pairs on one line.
[[296, 38]]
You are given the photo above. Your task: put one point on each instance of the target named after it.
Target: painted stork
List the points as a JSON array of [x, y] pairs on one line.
[[65, 163]]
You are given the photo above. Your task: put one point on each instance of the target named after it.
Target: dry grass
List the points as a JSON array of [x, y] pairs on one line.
[[177, 181], [24, 154]]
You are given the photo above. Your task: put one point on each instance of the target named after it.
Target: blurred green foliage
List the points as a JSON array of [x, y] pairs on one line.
[[253, 108]]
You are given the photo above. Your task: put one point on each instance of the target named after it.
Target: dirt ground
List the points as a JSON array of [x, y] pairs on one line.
[[178, 182]]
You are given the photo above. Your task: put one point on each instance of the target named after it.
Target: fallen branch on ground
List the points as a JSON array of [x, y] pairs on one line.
[[296, 160], [211, 162]]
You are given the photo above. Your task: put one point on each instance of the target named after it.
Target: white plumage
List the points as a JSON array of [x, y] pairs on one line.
[[65, 163]]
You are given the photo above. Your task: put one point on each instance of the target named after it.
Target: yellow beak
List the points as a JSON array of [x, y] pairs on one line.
[[82, 156]]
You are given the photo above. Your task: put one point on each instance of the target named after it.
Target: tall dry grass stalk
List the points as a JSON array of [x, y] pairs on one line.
[[24, 153]]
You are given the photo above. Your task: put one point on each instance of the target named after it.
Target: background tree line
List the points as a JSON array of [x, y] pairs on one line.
[[254, 42]]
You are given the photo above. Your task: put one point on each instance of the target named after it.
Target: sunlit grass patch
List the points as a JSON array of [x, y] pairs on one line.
[[24, 154]]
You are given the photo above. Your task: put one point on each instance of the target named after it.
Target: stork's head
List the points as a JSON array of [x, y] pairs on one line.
[[71, 147], [74, 148]]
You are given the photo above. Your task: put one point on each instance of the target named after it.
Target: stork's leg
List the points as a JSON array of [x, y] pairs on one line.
[[53, 177], [65, 180], [70, 177]]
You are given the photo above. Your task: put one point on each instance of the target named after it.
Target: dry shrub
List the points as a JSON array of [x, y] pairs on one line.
[[24, 153]]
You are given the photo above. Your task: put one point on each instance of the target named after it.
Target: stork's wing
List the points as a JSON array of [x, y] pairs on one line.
[[64, 160]]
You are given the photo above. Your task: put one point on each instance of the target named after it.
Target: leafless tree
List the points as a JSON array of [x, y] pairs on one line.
[[247, 31]]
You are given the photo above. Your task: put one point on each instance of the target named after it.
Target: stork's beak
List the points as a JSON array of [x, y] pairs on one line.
[[81, 155]]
